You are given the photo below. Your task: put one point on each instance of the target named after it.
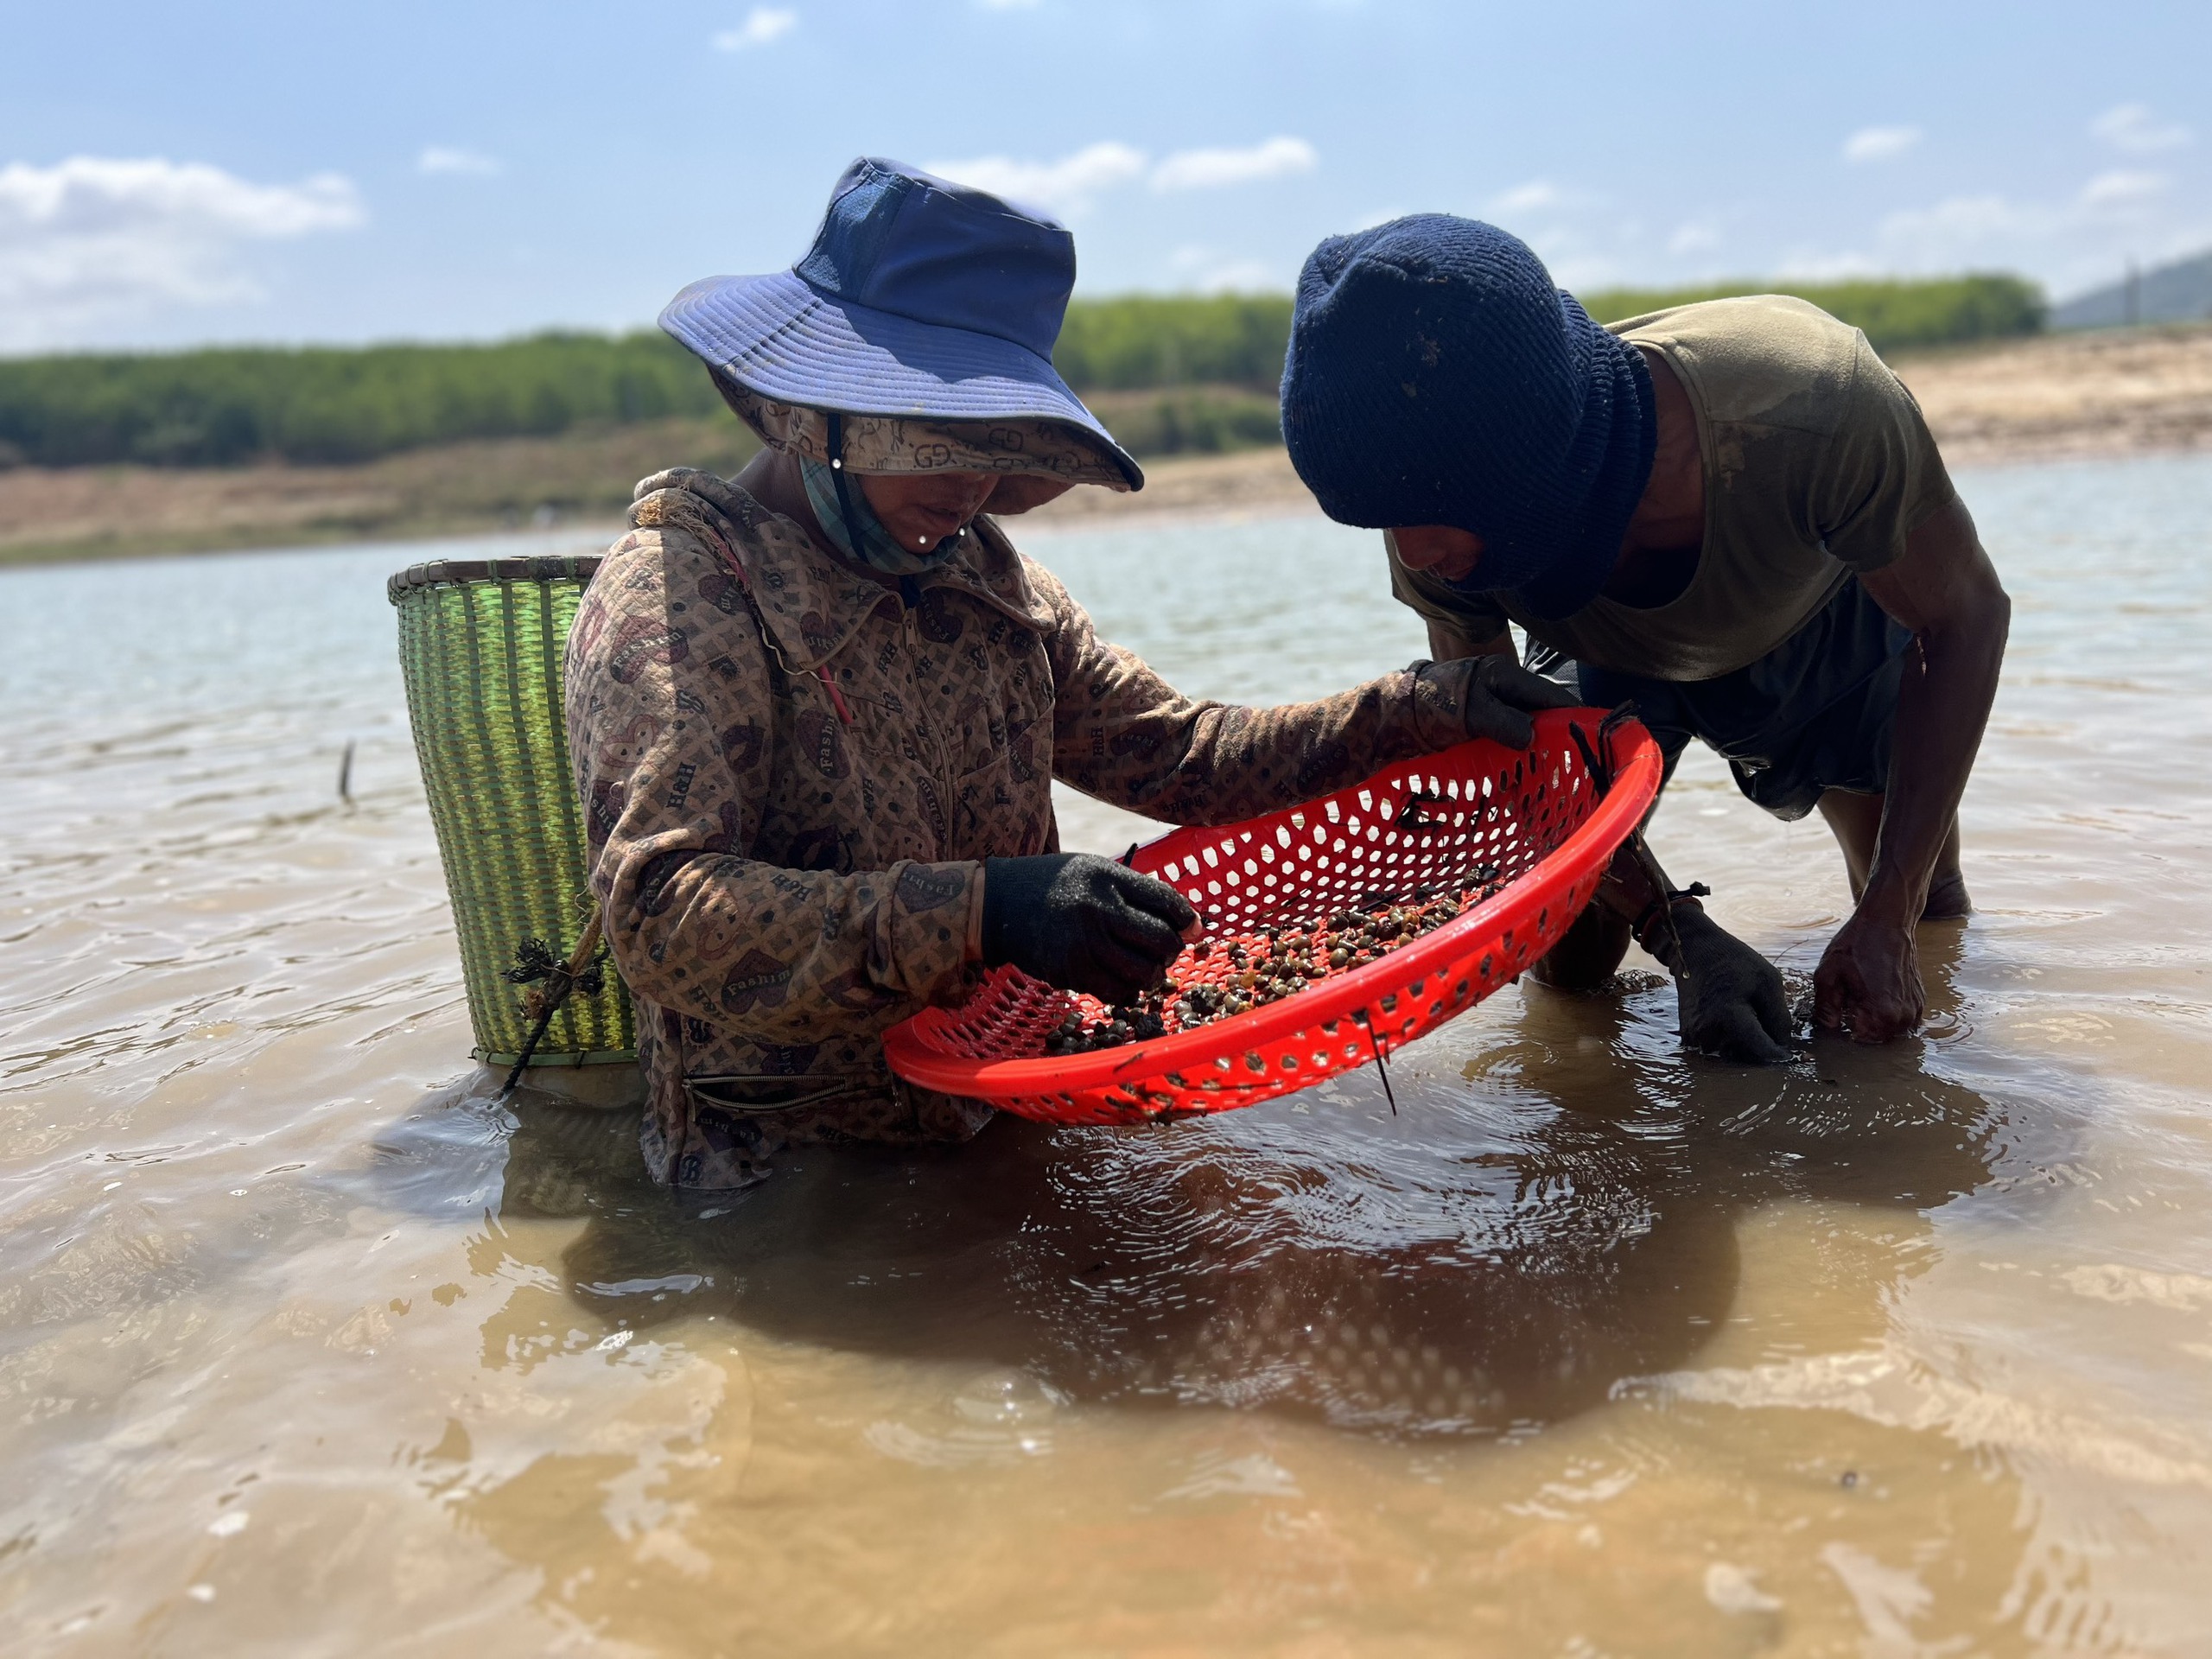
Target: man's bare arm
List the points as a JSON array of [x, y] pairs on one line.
[[1945, 589]]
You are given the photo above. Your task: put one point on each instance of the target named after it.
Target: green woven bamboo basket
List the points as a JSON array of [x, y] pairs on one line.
[[481, 644]]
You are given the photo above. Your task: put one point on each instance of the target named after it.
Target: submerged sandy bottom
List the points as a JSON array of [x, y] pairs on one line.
[[1591, 1349]]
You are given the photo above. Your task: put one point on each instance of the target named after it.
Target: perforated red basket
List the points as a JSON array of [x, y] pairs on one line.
[[1537, 816]]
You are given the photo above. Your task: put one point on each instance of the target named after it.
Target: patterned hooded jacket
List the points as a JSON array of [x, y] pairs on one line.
[[792, 769]]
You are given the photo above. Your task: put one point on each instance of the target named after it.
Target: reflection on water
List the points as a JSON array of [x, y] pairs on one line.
[[1543, 1231], [307, 1345], [1562, 1223]]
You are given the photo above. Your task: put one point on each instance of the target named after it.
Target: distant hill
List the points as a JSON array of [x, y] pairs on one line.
[[2181, 292]]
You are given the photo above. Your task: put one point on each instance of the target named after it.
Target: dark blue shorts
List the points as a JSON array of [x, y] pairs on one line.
[[1813, 714]]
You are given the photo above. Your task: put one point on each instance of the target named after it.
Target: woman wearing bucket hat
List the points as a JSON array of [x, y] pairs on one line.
[[1730, 514], [816, 710]]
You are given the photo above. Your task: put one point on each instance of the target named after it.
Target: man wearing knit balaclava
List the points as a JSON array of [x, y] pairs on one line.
[[1730, 514]]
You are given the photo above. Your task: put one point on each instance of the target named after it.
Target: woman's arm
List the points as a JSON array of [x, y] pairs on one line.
[[1123, 734], [671, 716]]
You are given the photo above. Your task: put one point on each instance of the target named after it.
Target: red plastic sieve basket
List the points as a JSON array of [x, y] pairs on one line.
[[1538, 816]]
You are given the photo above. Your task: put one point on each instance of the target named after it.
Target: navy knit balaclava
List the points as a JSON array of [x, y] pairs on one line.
[[1437, 376]]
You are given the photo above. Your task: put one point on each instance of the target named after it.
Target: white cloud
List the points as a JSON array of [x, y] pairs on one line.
[[2067, 240], [1959, 228], [92, 240], [1586, 273], [2122, 188], [1527, 198], [1071, 184], [762, 25], [1065, 186], [1210, 169], [2068, 231], [1368, 220], [1812, 266], [441, 158], [1699, 235], [1243, 277], [1205, 271], [2132, 127], [1880, 144]]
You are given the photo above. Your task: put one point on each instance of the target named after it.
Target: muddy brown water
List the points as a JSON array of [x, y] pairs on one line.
[[308, 1347]]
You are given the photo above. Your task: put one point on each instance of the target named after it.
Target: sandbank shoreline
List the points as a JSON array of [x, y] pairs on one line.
[[2053, 397]]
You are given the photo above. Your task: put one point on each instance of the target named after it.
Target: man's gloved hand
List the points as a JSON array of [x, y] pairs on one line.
[[1730, 997], [1083, 923], [1484, 696]]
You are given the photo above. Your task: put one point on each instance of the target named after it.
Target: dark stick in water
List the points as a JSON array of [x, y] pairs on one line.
[[560, 978], [1382, 1058]]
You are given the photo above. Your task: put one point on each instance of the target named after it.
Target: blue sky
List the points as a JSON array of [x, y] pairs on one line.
[[250, 171]]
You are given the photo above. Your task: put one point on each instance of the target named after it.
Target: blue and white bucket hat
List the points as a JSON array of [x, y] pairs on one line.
[[924, 315]]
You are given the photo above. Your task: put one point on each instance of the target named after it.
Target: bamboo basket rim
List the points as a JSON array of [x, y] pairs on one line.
[[447, 572]]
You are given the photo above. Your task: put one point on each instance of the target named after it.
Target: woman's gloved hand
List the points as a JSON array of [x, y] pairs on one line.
[[1083, 923], [1484, 696], [1731, 997]]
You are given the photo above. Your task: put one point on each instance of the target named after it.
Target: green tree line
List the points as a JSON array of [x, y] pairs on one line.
[[213, 408], [230, 405], [1894, 315], [1143, 341]]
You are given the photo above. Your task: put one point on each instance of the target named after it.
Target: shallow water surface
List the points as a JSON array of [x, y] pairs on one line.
[[1589, 1348]]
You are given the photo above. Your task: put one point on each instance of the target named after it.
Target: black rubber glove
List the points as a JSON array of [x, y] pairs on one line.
[[1486, 696], [1082, 923], [1731, 997]]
